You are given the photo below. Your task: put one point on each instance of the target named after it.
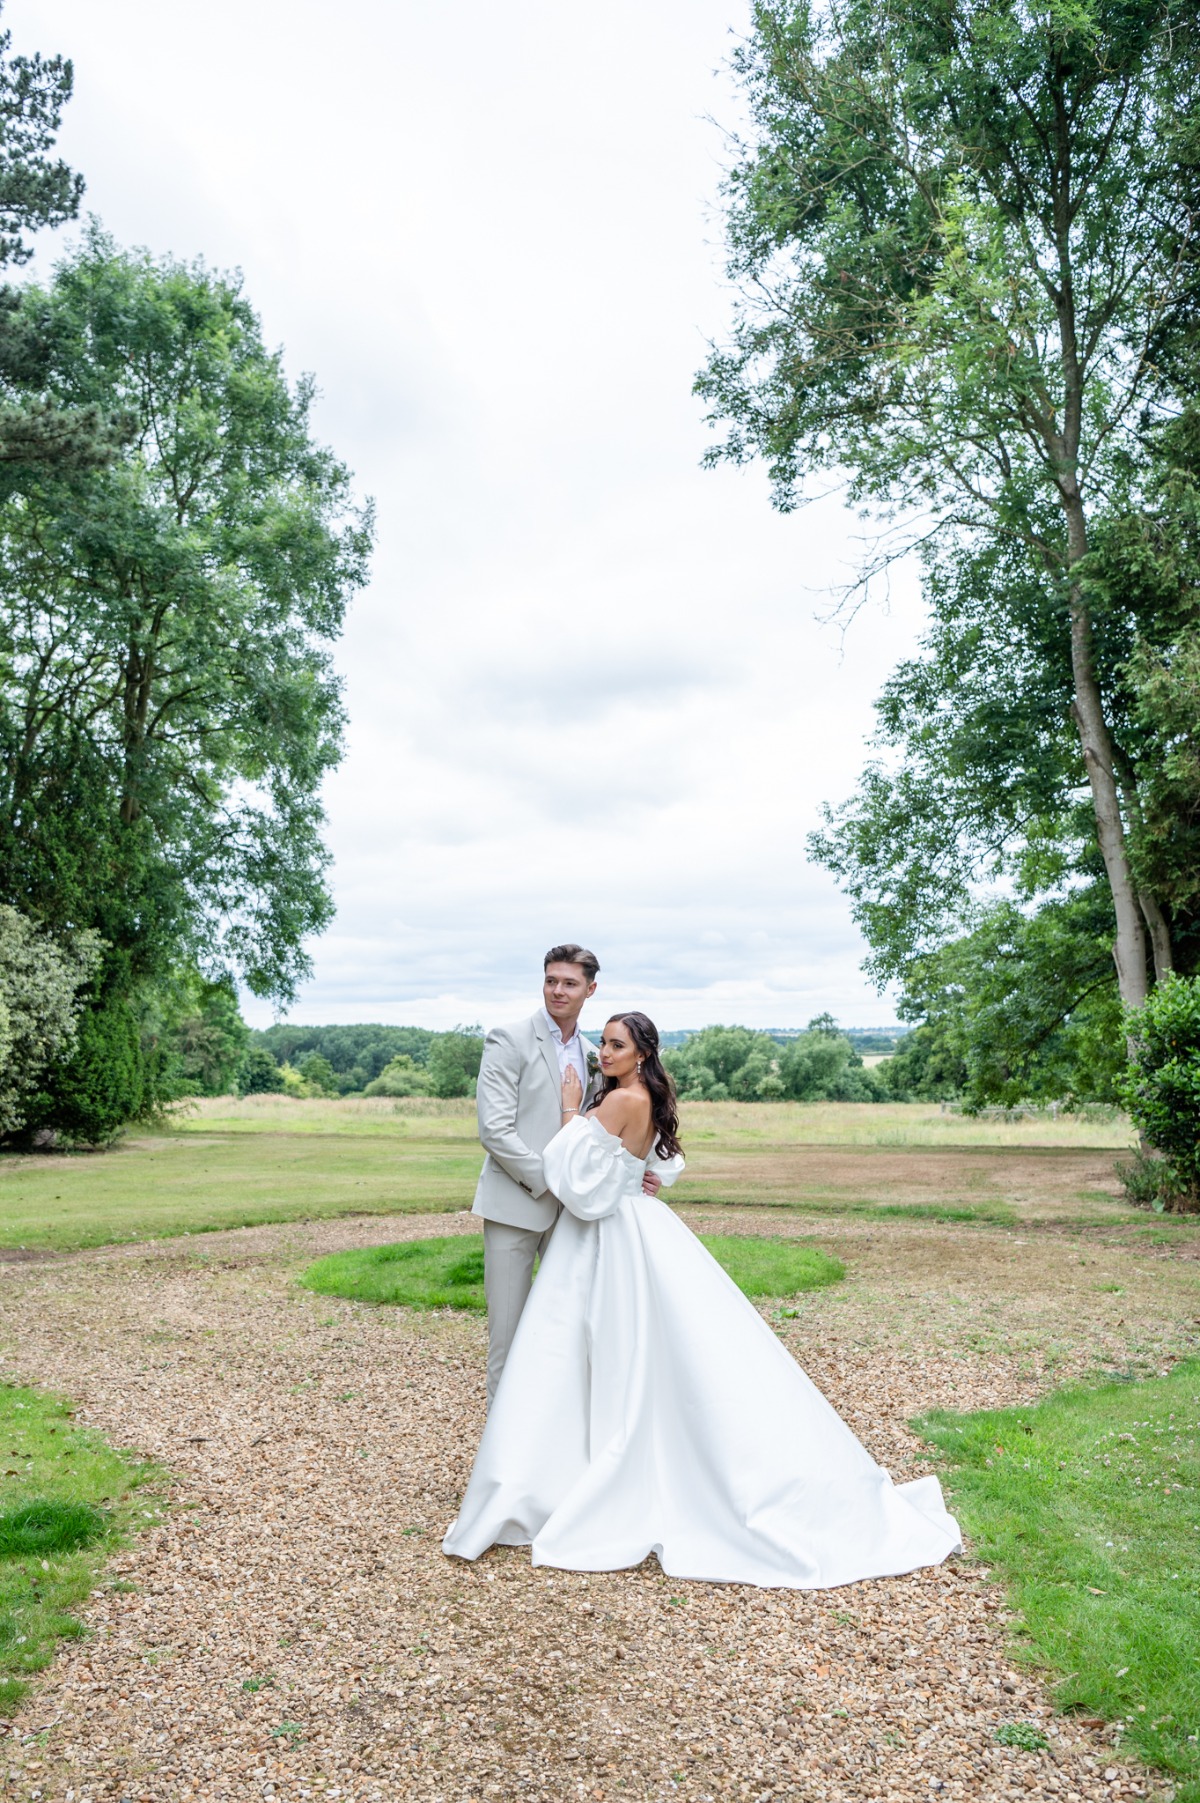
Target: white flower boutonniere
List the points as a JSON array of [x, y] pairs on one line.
[[593, 1063]]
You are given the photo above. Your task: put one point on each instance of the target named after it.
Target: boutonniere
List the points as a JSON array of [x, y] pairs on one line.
[[593, 1063]]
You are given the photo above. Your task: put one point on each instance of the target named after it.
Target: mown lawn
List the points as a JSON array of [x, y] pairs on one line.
[[1088, 1505], [66, 1499], [227, 1163]]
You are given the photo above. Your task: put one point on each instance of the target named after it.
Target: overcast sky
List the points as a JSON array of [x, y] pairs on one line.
[[589, 696]]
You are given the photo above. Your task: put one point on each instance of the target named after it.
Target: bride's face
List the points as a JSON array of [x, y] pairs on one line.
[[618, 1054]]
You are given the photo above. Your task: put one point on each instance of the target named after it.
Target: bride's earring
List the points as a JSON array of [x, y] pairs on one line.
[[639, 1068]]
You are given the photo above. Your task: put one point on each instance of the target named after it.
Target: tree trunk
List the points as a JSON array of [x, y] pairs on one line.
[[1160, 936], [1087, 708]]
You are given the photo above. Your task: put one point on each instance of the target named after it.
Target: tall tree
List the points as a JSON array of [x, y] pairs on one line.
[[966, 239], [37, 190], [168, 705]]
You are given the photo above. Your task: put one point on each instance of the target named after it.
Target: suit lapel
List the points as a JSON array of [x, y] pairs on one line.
[[549, 1052]]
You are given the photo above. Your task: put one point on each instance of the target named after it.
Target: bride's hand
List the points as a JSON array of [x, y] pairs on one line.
[[572, 1091]]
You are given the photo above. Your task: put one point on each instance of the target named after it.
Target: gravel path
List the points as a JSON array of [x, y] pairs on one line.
[[320, 1448]]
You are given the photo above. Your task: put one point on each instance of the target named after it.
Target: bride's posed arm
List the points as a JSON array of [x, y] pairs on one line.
[[572, 1095], [584, 1169]]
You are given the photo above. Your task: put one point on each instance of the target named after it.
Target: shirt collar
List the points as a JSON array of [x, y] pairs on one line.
[[556, 1030]]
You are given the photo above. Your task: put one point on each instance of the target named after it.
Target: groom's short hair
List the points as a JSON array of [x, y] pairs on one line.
[[588, 962]]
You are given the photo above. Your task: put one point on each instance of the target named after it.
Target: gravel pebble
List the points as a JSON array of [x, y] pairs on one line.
[[292, 1630]]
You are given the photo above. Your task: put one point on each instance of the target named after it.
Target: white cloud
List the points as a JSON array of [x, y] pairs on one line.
[[588, 696]]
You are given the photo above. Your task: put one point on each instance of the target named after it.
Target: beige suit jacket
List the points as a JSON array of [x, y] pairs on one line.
[[519, 1103]]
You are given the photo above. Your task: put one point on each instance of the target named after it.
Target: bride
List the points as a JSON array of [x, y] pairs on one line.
[[646, 1406]]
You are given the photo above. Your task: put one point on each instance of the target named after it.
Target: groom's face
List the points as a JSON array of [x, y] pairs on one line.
[[566, 989]]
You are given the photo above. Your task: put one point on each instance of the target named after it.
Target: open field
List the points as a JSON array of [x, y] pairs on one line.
[[227, 1163]]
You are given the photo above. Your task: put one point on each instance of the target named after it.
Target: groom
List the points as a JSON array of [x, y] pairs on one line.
[[519, 1096]]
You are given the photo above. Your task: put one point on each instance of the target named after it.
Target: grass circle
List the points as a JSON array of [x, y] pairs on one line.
[[448, 1272], [42, 1529], [435, 1273]]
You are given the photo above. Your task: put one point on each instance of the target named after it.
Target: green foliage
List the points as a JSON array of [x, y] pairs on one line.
[[36, 190], [1026, 1735], [39, 1007], [448, 1273], [197, 1033], [819, 1065], [106, 1082], [454, 1060], [913, 312], [1085, 1505], [402, 1076], [66, 1508], [1023, 1008], [357, 1054], [168, 624], [258, 1073], [317, 1073], [1162, 1086], [1149, 1182], [168, 706]]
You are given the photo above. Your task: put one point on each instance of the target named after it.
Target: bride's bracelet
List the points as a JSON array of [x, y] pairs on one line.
[[570, 1111]]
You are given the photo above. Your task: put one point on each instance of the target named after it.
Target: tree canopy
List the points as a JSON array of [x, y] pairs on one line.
[[168, 705], [964, 238]]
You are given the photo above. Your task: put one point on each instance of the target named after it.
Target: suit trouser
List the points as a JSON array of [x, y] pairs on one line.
[[508, 1258]]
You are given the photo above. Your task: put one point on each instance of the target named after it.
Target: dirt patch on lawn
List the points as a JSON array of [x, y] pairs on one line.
[[1037, 1184]]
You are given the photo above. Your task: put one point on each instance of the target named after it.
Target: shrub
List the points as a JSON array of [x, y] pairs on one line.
[[401, 1077], [105, 1084], [291, 1083], [454, 1060], [1161, 1088], [1149, 1182], [258, 1073], [39, 1008], [317, 1072]]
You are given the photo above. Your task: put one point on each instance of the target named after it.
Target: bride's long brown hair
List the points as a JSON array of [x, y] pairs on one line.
[[657, 1079]]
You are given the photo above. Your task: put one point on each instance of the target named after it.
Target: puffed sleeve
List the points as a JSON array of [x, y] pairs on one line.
[[585, 1170], [668, 1169]]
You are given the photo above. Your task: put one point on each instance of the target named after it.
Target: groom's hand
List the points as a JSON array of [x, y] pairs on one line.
[[651, 1183]]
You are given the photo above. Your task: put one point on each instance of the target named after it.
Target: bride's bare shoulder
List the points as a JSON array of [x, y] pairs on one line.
[[622, 1109]]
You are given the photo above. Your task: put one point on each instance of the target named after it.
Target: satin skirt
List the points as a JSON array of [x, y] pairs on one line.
[[646, 1407]]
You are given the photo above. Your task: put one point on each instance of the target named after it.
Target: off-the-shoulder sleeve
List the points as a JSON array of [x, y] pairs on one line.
[[585, 1170], [669, 1169]]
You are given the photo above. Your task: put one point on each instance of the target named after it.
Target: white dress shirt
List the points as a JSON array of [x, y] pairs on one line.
[[570, 1051]]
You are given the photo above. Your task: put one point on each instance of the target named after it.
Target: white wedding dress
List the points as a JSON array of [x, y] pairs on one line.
[[646, 1407]]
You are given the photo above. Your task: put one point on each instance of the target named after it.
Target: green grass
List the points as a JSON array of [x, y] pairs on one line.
[[226, 1163], [448, 1273], [441, 1273], [193, 1183], [917, 1124], [762, 1267], [1089, 1506], [66, 1499]]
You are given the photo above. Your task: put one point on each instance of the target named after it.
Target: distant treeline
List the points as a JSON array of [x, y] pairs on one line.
[[868, 1042], [371, 1060], [818, 1063]]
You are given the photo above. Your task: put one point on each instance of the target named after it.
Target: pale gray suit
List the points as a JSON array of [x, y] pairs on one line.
[[519, 1102]]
